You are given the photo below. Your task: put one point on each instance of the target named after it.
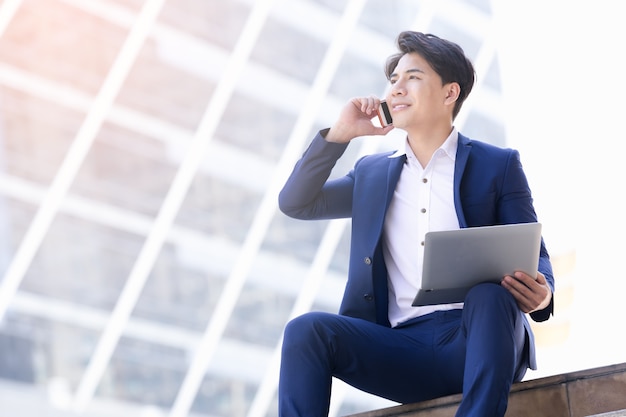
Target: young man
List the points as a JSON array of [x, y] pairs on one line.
[[442, 180]]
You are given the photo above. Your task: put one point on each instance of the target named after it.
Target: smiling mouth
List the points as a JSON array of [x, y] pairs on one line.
[[399, 107]]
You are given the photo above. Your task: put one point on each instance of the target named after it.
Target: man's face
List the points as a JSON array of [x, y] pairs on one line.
[[416, 97]]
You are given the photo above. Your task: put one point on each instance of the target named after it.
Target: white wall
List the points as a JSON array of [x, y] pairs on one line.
[[564, 75]]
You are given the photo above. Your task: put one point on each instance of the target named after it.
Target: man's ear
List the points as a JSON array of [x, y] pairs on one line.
[[453, 90]]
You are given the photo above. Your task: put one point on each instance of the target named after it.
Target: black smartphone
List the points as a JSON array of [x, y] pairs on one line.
[[383, 114]]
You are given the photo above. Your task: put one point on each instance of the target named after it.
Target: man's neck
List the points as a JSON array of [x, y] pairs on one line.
[[425, 143]]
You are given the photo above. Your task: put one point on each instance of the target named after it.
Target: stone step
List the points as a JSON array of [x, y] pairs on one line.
[[587, 393], [618, 413]]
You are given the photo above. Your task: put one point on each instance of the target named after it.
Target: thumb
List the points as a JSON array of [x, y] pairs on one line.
[[541, 279], [385, 130]]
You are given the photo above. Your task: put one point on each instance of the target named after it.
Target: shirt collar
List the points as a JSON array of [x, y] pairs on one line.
[[449, 146]]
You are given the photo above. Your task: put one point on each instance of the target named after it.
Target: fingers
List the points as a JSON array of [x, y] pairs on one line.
[[356, 120], [367, 105], [529, 293], [521, 293]]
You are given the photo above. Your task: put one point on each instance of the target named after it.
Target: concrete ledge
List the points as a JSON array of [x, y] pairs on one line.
[[618, 413], [576, 394]]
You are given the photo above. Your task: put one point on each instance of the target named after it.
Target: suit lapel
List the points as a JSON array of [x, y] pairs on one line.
[[378, 197], [462, 155]]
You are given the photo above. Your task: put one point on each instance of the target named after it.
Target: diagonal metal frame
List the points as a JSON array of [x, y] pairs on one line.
[[188, 168]]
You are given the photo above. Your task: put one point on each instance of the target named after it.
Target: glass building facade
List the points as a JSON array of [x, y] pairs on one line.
[[146, 269]]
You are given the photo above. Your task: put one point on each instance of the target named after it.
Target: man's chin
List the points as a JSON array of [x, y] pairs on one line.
[[399, 124]]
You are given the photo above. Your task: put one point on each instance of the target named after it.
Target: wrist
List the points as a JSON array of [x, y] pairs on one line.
[[337, 135]]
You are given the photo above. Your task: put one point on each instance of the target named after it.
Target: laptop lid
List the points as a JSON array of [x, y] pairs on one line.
[[456, 260]]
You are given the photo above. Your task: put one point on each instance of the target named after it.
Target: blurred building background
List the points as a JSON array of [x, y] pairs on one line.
[[146, 268]]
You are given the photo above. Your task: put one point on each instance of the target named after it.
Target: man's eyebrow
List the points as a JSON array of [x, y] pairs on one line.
[[409, 71]]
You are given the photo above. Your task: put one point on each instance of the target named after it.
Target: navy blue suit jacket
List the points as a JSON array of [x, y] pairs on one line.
[[490, 188]]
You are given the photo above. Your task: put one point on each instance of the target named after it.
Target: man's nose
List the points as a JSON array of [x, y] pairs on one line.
[[398, 90]]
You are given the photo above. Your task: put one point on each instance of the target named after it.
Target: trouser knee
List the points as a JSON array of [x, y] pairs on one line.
[[304, 329], [490, 296]]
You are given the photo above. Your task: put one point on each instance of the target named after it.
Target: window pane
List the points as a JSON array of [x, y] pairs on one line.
[[126, 170], [35, 135], [38, 41], [82, 262]]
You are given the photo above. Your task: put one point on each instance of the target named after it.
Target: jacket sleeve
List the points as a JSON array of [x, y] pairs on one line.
[[308, 194], [545, 267], [517, 201]]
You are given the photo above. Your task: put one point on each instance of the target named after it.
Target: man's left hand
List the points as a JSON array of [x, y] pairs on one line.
[[531, 294]]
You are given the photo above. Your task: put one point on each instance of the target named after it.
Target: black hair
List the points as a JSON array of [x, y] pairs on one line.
[[446, 58]]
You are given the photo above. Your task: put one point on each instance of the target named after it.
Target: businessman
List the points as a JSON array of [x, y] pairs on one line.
[[439, 180]]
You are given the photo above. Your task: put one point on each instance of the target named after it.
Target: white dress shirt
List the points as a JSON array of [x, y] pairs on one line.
[[423, 201]]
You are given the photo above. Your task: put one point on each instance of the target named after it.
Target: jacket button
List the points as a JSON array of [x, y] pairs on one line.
[[368, 297], [367, 260]]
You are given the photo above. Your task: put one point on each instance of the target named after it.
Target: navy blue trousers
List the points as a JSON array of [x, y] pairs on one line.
[[479, 351]]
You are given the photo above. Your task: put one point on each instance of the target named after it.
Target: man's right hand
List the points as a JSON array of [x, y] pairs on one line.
[[356, 120]]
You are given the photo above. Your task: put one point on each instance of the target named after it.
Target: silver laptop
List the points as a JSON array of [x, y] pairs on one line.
[[456, 260]]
